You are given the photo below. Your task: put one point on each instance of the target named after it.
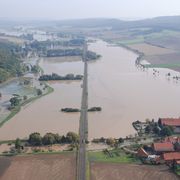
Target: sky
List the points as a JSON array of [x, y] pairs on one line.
[[79, 9]]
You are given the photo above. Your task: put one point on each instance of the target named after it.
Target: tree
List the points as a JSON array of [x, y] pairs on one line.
[[110, 141], [18, 144], [58, 138], [166, 131], [121, 140], [34, 69], [25, 98], [49, 139], [39, 92], [72, 137], [35, 139], [15, 101], [63, 139], [102, 140], [156, 130]]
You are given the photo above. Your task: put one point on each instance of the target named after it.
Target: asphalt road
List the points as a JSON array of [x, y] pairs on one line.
[[83, 124]]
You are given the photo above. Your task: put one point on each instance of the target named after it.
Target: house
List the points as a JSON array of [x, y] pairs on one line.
[[162, 147], [142, 153], [172, 122], [169, 158]]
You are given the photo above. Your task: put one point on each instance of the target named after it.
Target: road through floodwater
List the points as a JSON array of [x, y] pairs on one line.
[[124, 92]]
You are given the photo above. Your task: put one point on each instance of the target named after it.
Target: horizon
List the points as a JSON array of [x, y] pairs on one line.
[[78, 19]]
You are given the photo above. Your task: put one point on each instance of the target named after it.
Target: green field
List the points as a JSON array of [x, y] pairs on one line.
[[162, 66], [117, 156]]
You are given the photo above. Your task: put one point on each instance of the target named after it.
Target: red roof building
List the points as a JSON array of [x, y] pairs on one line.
[[173, 122], [169, 157], [162, 147], [169, 121]]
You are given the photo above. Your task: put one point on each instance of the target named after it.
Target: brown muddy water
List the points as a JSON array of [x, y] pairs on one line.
[[124, 92]]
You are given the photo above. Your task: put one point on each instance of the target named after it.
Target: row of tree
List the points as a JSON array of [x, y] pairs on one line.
[[160, 131], [108, 141], [35, 139], [69, 110], [55, 77]]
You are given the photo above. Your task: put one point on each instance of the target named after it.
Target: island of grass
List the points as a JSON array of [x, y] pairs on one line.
[[69, 110], [72, 52], [56, 77]]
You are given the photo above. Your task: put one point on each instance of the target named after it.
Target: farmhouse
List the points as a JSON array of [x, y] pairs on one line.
[[169, 158], [172, 122], [160, 147]]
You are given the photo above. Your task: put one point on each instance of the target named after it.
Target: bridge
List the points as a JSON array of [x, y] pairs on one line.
[[83, 123]]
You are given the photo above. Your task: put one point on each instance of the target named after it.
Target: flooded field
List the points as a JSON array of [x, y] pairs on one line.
[[8, 89], [124, 92]]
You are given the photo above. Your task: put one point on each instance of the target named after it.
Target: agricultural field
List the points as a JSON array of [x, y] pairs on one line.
[[171, 42], [171, 61], [116, 171], [150, 50], [35, 167]]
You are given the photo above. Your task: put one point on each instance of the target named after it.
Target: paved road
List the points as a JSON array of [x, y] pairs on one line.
[[83, 124]]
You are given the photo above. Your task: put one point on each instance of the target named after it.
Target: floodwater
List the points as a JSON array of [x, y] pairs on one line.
[[124, 92]]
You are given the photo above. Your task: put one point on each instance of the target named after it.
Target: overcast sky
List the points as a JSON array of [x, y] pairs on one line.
[[73, 9]]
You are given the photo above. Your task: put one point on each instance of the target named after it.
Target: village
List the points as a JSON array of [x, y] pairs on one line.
[[157, 143], [163, 150]]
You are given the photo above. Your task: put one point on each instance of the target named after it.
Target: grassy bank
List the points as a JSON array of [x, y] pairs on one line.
[[38, 153], [162, 66]]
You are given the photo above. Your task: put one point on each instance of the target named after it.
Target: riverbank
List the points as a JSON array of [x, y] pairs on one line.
[[157, 57]]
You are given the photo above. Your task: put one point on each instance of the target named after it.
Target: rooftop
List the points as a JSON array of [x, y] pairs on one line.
[[171, 156], [170, 121], [163, 147]]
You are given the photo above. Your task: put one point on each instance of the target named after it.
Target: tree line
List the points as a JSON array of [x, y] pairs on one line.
[[35, 139], [55, 77]]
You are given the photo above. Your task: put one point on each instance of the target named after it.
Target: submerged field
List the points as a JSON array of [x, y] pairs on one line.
[[36, 167], [123, 91]]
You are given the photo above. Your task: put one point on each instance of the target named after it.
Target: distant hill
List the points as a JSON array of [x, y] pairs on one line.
[[166, 22]]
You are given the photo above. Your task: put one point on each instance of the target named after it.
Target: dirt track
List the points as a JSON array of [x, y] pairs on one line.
[[38, 167], [109, 171]]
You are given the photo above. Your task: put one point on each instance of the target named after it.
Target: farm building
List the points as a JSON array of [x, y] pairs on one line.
[[169, 158], [172, 122], [160, 147]]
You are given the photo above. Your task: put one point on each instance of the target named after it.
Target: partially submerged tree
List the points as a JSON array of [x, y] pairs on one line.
[[35, 139]]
